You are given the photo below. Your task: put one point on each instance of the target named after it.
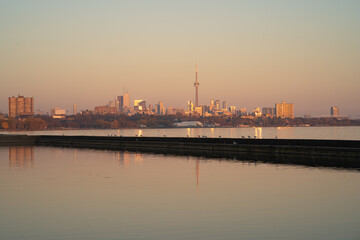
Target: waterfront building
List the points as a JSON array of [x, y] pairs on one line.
[[232, 109], [74, 109], [334, 111], [189, 124], [58, 113], [21, 106], [284, 110]]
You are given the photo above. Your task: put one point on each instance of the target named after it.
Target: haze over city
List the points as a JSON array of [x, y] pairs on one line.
[[249, 53]]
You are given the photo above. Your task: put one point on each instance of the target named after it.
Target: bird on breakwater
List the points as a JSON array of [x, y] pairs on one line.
[[242, 137], [198, 135], [249, 137], [219, 136], [254, 136]]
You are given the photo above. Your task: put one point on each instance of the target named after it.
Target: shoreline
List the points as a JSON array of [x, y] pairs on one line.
[[102, 129]]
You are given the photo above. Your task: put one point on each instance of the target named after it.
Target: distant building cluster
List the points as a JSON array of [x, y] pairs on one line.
[[24, 107]]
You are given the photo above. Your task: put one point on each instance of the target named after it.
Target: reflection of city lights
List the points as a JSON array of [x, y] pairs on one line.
[[140, 132], [124, 159], [258, 132], [75, 155], [212, 132], [138, 157], [188, 131]]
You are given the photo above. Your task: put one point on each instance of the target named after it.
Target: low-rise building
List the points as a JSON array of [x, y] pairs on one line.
[[58, 113]]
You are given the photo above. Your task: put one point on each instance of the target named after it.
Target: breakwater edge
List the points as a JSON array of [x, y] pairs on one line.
[[328, 153]]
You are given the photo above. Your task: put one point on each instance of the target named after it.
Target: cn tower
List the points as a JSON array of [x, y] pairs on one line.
[[196, 85]]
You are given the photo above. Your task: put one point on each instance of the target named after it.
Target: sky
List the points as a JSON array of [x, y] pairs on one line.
[[249, 53]]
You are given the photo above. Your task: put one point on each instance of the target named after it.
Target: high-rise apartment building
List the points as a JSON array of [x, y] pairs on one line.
[[334, 111], [74, 109], [21, 106], [284, 110]]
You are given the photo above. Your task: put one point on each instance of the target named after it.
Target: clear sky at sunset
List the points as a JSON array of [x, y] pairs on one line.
[[250, 53]]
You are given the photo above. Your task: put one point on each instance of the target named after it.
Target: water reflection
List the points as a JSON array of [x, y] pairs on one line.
[[138, 158], [258, 132], [124, 158], [98, 198], [197, 174], [21, 156]]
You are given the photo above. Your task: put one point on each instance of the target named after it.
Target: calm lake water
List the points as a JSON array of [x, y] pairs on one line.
[[345, 133], [58, 193]]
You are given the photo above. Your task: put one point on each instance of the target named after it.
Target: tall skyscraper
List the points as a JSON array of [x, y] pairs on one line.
[[217, 105], [224, 104], [196, 85], [74, 109], [284, 110], [190, 106], [334, 111], [160, 110], [21, 106], [124, 102]]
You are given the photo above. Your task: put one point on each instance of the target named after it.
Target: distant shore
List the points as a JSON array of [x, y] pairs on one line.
[[101, 129]]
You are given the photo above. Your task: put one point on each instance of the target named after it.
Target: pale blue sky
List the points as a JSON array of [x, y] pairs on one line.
[[250, 53]]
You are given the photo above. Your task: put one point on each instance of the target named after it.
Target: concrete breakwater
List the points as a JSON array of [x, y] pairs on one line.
[[332, 153]]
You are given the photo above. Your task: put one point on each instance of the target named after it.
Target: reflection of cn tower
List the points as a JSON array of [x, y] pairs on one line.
[[196, 85]]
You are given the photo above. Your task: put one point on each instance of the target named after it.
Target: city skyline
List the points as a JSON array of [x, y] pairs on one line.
[[250, 54]]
